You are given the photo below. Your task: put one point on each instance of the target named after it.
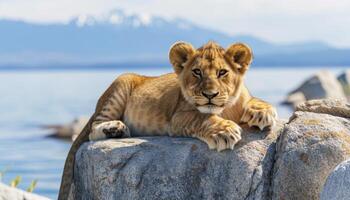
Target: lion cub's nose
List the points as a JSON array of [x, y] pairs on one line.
[[210, 95]]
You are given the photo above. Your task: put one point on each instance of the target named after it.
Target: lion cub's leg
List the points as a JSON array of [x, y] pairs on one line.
[[109, 111], [109, 129], [259, 113], [218, 133]]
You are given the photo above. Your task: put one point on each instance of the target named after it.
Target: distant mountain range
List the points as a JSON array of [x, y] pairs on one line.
[[118, 38]]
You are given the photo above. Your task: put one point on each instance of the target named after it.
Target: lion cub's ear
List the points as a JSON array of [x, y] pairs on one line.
[[179, 54], [240, 55]]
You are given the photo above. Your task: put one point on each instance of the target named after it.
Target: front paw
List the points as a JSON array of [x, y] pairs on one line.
[[261, 115], [223, 135], [110, 129]]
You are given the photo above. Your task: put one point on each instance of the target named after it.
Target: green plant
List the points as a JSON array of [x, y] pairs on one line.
[[16, 181], [32, 185]]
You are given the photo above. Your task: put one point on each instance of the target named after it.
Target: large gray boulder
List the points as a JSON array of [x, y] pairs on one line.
[[321, 85], [292, 162], [10, 193], [337, 186], [174, 168], [309, 148]]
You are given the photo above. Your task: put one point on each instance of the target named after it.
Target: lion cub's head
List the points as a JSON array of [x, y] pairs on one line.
[[211, 76]]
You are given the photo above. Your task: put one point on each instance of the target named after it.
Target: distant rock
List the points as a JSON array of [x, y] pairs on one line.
[[344, 79], [69, 131], [337, 186], [10, 193], [322, 85], [289, 163], [295, 98]]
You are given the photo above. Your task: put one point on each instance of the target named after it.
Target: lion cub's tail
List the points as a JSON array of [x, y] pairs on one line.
[[67, 176], [68, 171]]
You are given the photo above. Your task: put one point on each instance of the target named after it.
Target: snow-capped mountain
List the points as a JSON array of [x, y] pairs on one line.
[[118, 37]]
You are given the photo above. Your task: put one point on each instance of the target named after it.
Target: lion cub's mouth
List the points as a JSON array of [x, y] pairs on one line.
[[210, 108], [212, 104], [209, 104]]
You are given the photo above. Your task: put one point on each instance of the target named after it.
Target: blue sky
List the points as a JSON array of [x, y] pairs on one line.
[[280, 21]]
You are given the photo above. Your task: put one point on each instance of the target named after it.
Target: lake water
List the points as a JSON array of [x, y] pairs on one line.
[[33, 98]]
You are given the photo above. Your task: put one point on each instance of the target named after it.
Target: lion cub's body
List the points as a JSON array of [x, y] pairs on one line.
[[151, 105], [154, 100]]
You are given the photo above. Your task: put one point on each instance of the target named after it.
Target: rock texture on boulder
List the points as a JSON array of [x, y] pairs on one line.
[[10, 193], [337, 186], [322, 85], [292, 162], [333, 107]]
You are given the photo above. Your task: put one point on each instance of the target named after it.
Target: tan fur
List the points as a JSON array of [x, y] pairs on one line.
[[176, 104]]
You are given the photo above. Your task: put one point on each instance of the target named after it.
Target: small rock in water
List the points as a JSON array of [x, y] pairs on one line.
[[69, 131]]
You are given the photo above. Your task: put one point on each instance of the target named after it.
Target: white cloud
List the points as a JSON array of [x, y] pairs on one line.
[[278, 21]]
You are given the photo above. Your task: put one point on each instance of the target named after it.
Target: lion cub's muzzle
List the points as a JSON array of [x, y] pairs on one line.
[[210, 103], [210, 95]]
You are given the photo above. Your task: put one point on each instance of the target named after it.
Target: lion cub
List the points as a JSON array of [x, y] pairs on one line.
[[205, 98]]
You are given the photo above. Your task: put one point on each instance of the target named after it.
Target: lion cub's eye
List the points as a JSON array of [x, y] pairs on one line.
[[222, 72], [197, 72]]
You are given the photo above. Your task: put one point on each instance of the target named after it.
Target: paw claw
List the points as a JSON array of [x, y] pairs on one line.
[[261, 117], [223, 136]]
